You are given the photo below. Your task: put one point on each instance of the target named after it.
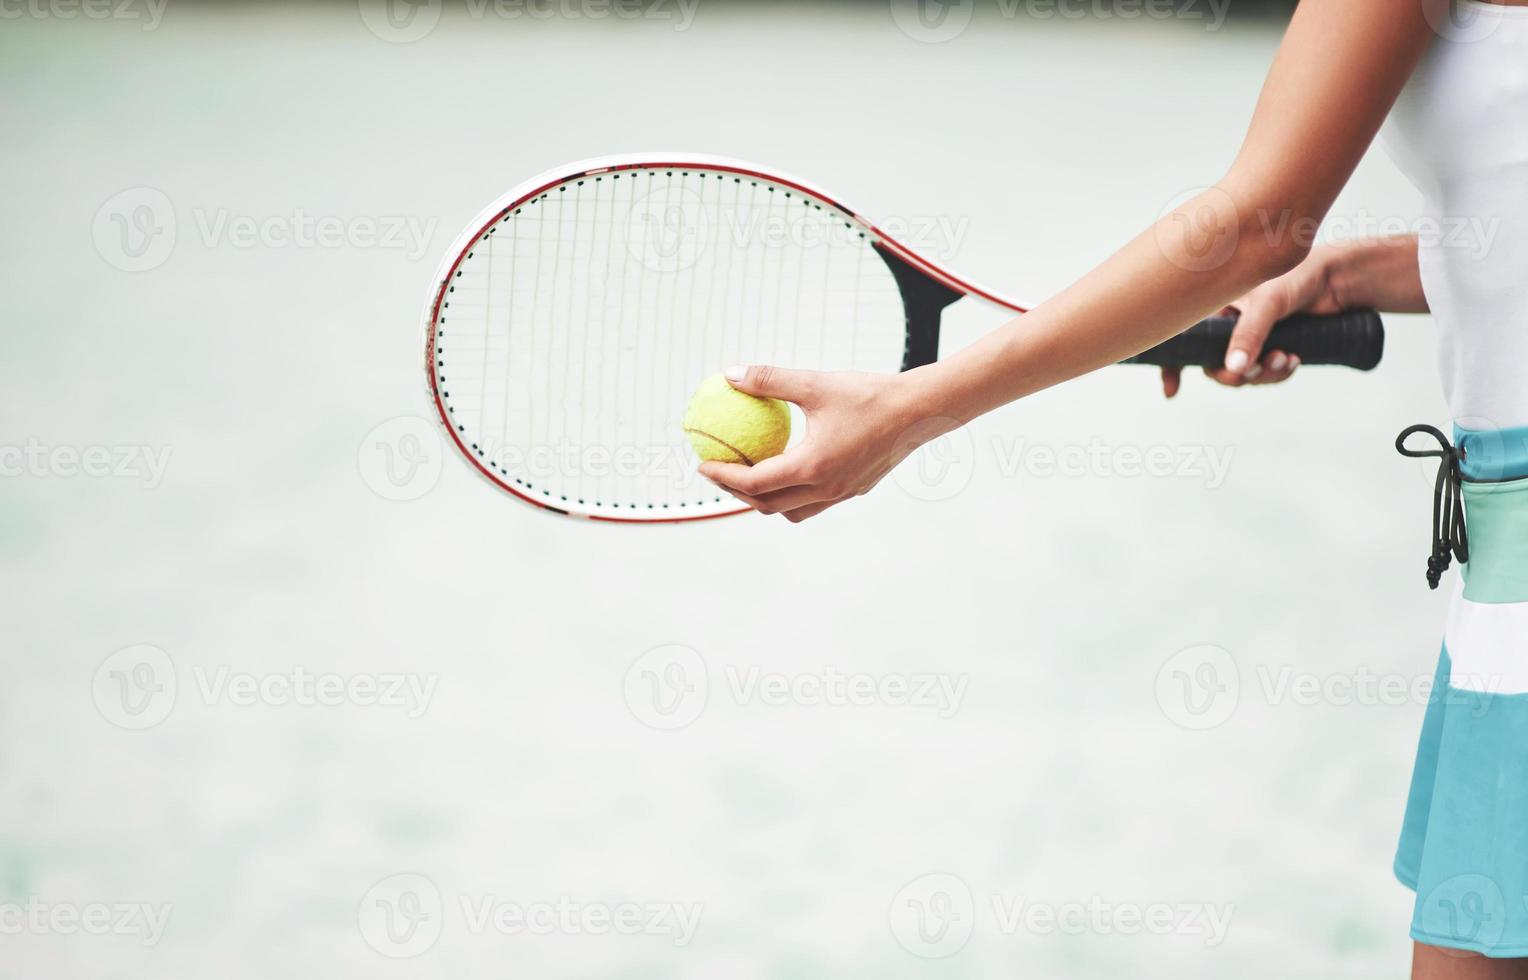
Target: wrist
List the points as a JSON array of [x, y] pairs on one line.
[[1337, 267], [1381, 273], [921, 399]]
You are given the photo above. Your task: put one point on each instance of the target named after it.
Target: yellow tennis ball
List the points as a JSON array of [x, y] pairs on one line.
[[726, 425]]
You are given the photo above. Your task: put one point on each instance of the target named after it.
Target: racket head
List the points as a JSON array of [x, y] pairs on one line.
[[571, 319]]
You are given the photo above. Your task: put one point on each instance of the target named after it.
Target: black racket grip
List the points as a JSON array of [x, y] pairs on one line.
[[1354, 339]]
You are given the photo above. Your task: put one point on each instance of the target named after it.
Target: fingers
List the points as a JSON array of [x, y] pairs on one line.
[[1233, 379], [768, 476], [811, 510], [1172, 380], [1277, 366], [1256, 314], [766, 381], [780, 489], [794, 498], [1260, 310], [763, 495], [747, 500], [1274, 367], [1247, 338]]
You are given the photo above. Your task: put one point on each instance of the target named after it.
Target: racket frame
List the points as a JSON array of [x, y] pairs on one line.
[[617, 163]]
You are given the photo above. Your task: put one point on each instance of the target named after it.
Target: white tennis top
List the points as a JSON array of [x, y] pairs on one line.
[[1460, 133]]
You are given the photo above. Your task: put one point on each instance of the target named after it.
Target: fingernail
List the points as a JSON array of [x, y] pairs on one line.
[[735, 373], [1294, 362], [1277, 362], [1253, 372], [1236, 361]]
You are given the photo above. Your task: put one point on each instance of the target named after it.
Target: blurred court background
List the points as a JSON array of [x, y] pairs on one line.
[[290, 693]]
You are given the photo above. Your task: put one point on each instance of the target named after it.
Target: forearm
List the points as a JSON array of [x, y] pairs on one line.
[[1376, 273]]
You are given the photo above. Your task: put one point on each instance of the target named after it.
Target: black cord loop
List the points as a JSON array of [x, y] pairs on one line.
[[1449, 535]]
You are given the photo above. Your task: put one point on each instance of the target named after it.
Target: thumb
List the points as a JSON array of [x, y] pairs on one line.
[[1258, 315], [765, 381]]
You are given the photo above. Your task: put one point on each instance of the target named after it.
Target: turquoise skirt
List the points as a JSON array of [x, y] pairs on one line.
[[1464, 842]]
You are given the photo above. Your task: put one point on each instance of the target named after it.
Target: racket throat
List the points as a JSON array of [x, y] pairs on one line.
[[924, 300]]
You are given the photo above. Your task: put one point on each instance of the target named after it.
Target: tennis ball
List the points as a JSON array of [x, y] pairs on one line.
[[726, 425]]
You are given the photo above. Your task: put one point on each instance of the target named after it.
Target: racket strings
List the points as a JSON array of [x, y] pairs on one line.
[[599, 304]]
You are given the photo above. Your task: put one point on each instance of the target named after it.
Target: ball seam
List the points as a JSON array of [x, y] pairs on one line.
[[721, 442]]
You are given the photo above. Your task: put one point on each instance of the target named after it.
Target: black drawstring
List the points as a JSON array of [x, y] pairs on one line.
[[1448, 504]]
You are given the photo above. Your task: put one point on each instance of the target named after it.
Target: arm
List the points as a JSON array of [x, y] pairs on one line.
[[1338, 71]]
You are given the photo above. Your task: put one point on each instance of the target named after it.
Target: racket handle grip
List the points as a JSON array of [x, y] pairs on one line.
[[1354, 339]]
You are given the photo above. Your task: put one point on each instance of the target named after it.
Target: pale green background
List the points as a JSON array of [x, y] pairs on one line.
[[264, 368]]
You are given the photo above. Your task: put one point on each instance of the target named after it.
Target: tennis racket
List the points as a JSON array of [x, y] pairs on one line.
[[569, 323]]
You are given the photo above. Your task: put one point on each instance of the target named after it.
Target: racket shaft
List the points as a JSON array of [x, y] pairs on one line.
[[1354, 339]]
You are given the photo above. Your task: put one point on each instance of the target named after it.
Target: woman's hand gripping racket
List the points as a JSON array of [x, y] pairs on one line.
[[570, 322]]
